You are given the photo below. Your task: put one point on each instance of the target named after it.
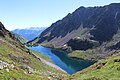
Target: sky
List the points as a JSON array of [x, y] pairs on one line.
[[40, 13]]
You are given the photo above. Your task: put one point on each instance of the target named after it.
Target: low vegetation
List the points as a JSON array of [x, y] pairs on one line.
[[107, 69], [20, 38], [80, 54], [24, 65]]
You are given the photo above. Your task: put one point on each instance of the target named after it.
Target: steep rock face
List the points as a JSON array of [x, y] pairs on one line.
[[93, 23], [4, 32], [78, 44], [1, 26]]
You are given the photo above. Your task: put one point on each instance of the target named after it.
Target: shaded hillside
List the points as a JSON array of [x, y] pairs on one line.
[[4, 32], [30, 33], [20, 63]]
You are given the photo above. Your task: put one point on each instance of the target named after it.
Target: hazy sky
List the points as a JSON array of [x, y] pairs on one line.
[[40, 13]]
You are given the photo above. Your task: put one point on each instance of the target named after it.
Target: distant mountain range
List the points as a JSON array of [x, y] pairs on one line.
[[30, 33]]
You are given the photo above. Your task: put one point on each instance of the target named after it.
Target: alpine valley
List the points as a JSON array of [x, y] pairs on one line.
[[19, 63], [89, 34]]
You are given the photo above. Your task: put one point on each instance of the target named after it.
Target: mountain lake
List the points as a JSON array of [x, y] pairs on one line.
[[61, 59]]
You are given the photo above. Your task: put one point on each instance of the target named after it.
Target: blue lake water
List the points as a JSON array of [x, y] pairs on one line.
[[60, 58]]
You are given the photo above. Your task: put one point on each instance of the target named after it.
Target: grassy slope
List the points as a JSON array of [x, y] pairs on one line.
[[108, 69], [20, 38], [13, 53], [81, 54]]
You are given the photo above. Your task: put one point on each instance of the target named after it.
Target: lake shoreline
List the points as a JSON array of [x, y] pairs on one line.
[[48, 63], [60, 49]]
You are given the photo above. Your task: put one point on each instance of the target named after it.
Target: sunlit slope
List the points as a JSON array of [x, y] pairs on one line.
[[107, 69], [19, 63]]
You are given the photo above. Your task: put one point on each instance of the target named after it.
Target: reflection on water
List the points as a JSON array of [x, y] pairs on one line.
[[62, 60]]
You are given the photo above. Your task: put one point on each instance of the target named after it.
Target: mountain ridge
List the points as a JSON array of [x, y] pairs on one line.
[[98, 26], [78, 21]]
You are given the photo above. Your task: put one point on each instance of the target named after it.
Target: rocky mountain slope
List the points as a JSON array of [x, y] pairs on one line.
[[20, 63], [94, 30], [30, 33]]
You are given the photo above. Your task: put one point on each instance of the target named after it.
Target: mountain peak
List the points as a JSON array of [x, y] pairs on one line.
[[1, 26], [115, 4]]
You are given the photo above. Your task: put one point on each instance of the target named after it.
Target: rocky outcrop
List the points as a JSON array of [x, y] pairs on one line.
[[4, 32], [4, 65], [116, 46], [78, 44], [2, 28]]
